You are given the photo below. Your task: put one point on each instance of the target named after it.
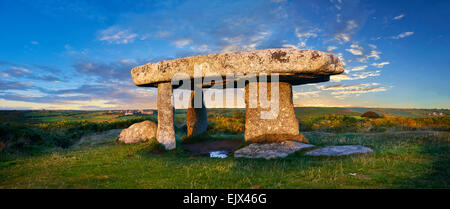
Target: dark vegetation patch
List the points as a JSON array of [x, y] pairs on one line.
[[203, 148], [371, 114]]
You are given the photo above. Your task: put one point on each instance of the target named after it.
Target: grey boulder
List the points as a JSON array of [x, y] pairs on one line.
[[139, 132]]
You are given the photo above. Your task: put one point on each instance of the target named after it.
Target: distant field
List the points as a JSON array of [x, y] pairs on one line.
[[55, 116], [401, 112]]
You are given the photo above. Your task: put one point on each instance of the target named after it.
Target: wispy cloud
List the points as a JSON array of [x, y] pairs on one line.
[[304, 36], [359, 68], [355, 49], [117, 36], [180, 43], [340, 90], [331, 48], [403, 35], [344, 35], [290, 46], [300, 94], [356, 76], [381, 64], [399, 17]]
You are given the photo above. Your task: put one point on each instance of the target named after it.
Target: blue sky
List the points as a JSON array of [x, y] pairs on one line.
[[78, 54]]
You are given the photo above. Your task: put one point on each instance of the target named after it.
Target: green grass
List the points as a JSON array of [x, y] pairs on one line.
[[401, 160]]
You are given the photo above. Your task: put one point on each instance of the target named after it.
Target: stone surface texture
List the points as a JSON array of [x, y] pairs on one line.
[[166, 129], [283, 61], [272, 150], [196, 118], [138, 132], [285, 122], [339, 150]]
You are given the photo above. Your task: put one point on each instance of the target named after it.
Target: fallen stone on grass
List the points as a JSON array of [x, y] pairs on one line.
[[138, 132], [269, 151], [339, 150]]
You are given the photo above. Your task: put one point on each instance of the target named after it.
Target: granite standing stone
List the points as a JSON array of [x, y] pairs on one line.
[[284, 122], [196, 118], [166, 129]]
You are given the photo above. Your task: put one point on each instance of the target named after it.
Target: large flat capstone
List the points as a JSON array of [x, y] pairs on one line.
[[294, 65]]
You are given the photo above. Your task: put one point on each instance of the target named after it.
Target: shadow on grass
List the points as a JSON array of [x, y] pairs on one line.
[[437, 174]]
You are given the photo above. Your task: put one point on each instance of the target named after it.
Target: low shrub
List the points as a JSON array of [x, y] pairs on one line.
[[371, 114]]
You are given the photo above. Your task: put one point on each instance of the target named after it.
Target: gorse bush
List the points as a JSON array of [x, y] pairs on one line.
[[221, 123], [340, 123], [63, 134]]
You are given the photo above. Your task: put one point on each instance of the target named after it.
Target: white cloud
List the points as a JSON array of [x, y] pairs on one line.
[[201, 48], [304, 36], [366, 75], [243, 43], [375, 54], [290, 46], [381, 64], [351, 24], [117, 36], [20, 69], [359, 68], [362, 75], [354, 51], [360, 90], [180, 43], [301, 94], [340, 90], [342, 37], [399, 17], [331, 48], [34, 42], [403, 35]]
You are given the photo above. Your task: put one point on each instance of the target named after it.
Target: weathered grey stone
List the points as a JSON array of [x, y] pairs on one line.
[[339, 150], [269, 151], [309, 64], [196, 118], [138, 132], [284, 124], [166, 129]]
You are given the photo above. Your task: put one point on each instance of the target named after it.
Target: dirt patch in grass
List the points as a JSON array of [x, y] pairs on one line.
[[97, 138], [203, 148]]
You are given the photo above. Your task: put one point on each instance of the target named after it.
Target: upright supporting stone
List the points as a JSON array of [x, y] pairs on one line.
[[281, 128], [196, 119], [166, 130]]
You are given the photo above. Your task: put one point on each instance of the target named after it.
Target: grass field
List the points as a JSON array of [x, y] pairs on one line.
[[401, 160], [408, 153]]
